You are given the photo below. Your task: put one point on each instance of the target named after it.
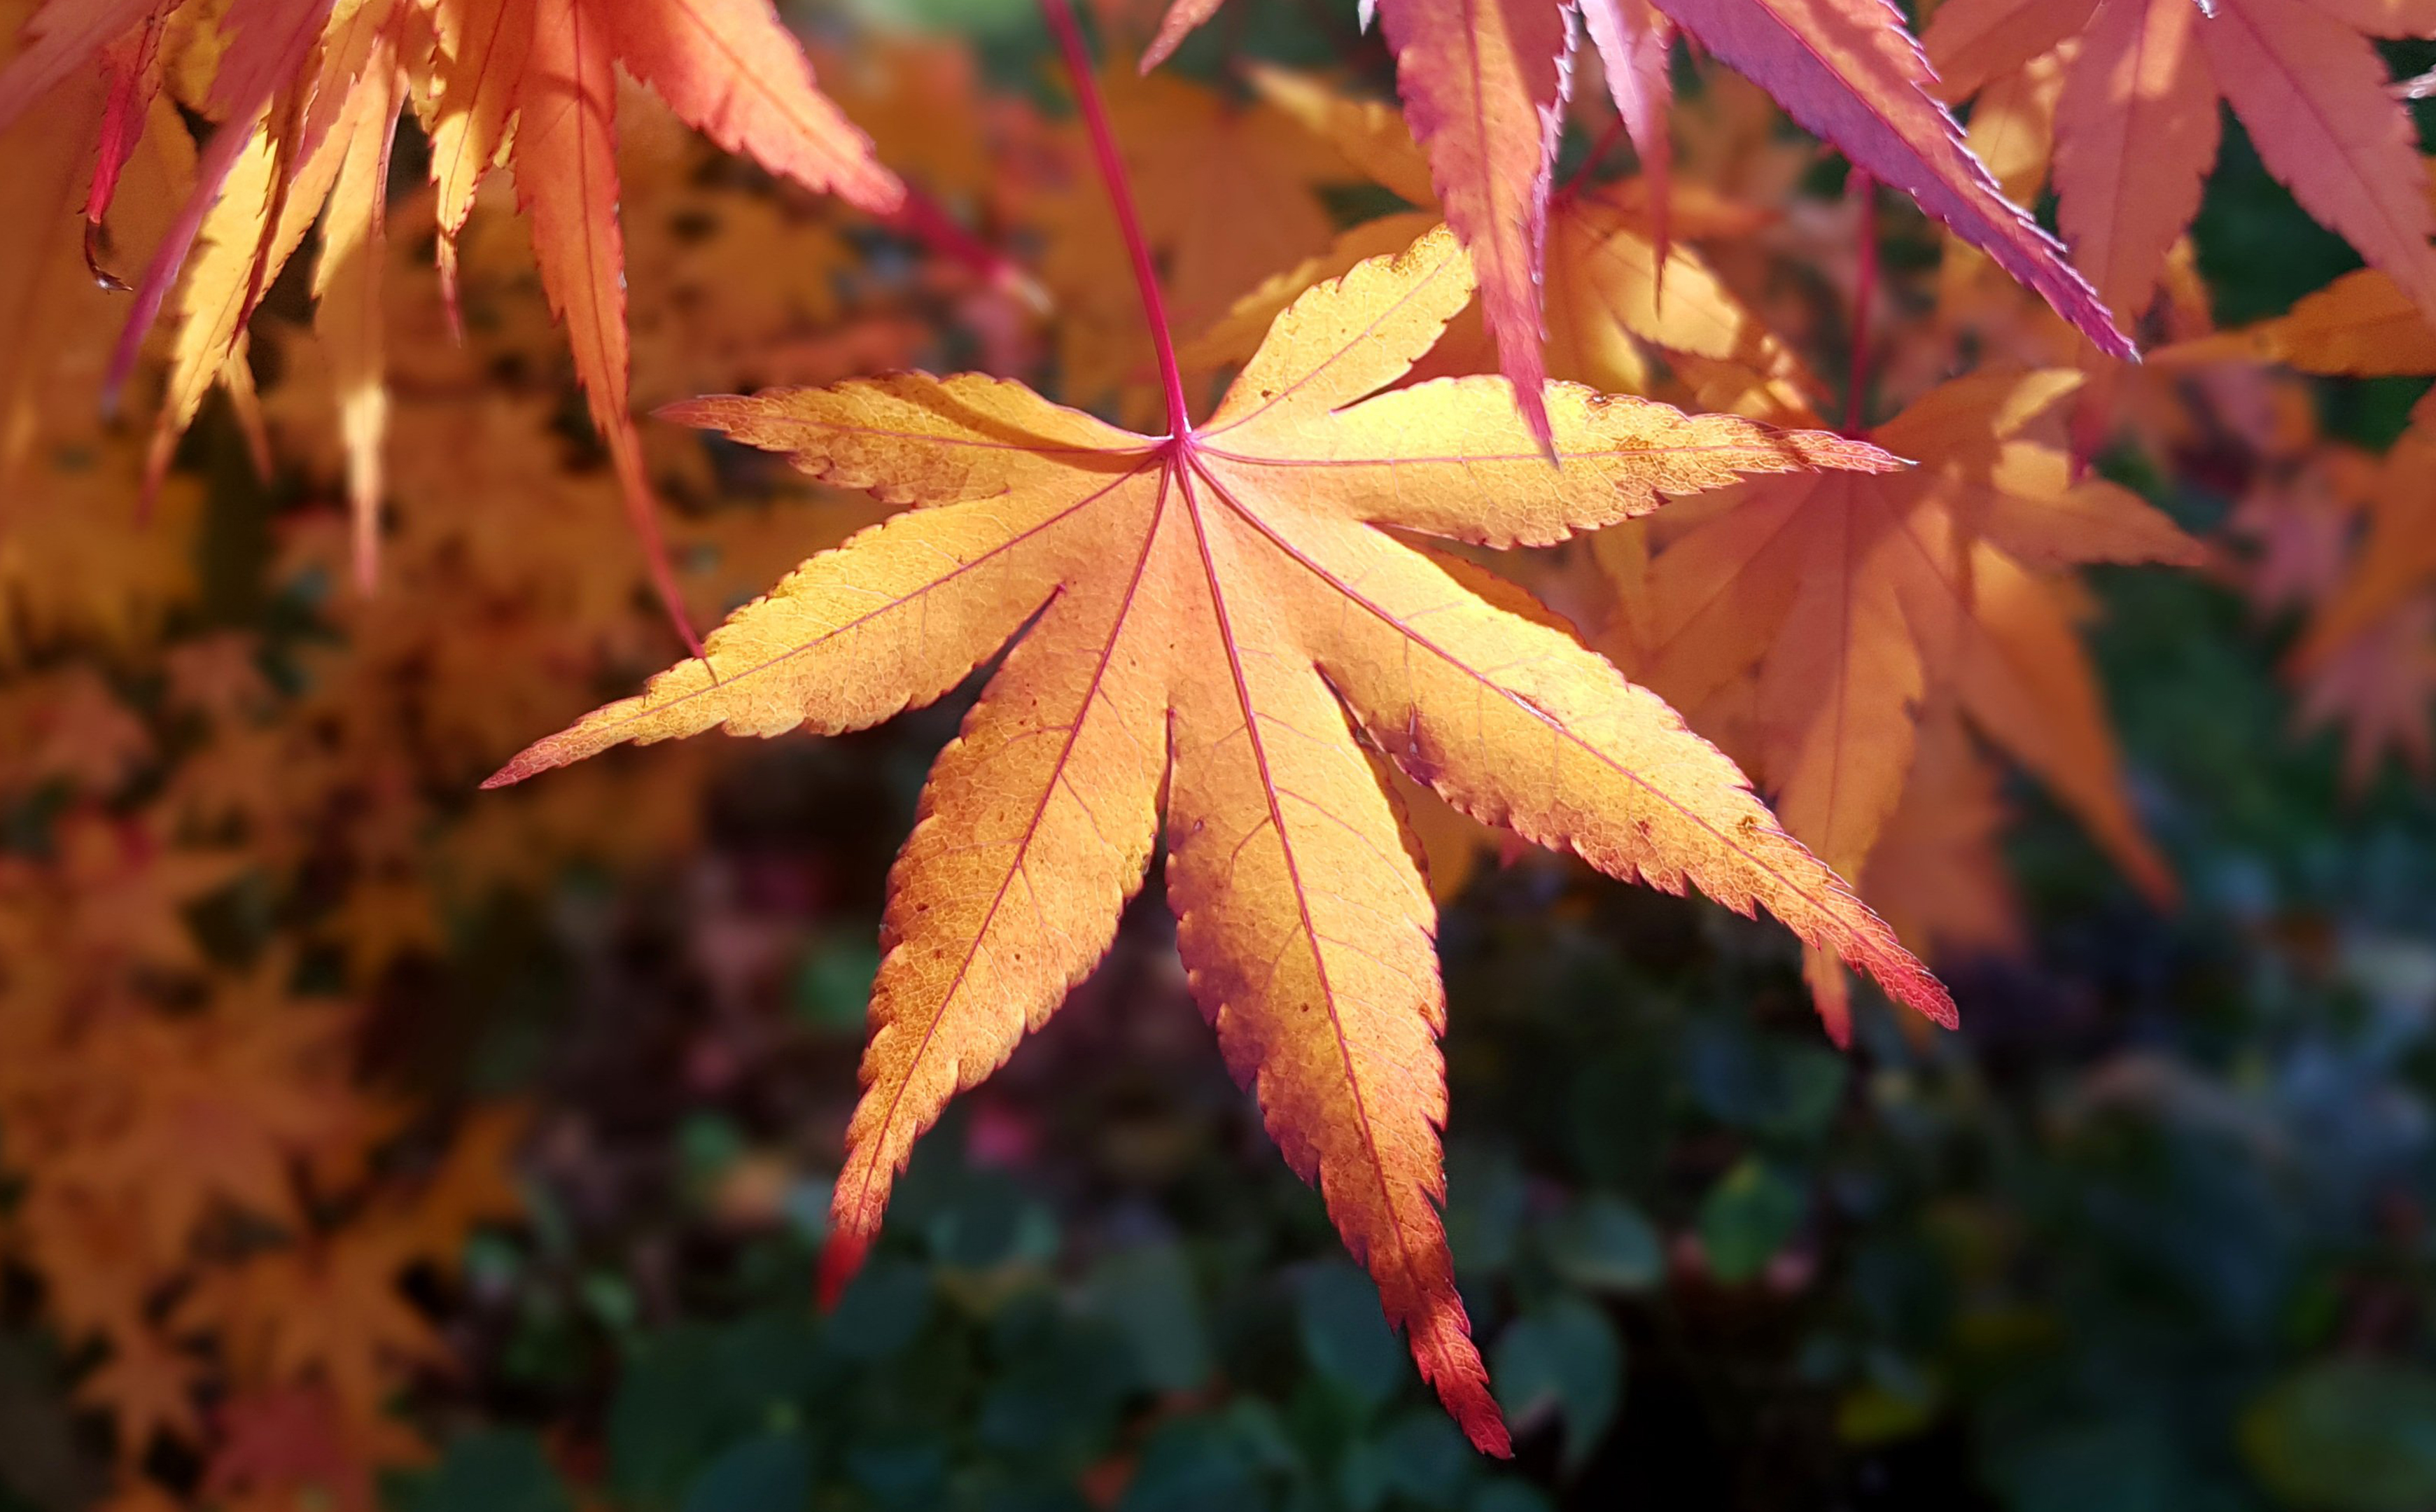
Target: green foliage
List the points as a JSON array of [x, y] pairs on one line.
[[2144, 1237]]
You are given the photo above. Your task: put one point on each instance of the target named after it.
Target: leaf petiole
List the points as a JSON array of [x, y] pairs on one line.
[[1060, 17], [1863, 189]]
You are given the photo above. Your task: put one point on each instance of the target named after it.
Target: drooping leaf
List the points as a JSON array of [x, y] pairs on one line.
[[1217, 621], [1848, 71], [1635, 43], [2136, 128], [347, 298], [2134, 139], [1484, 84], [1830, 611], [1613, 287], [528, 81]]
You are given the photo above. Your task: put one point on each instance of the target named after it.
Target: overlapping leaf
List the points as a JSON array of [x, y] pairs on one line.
[[1810, 620], [308, 93], [1483, 85], [2367, 659], [2135, 123], [1216, 639], [1228, 196], [1617, 289]]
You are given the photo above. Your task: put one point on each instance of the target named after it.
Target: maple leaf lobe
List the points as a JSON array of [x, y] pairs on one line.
[[1222, 623]]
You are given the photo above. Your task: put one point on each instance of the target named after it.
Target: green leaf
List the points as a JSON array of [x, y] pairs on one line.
[[1426, 1460], [1147, 1292], [1603, 1244], [1508, 1496], [2347, 1436], [909, 1472], [773, 1473], [1192, 1465], [2110, 1467], [833, 986], [1769, 1084], [668, 1417], [1747, 1218], [1484, 1209], [883, 1307], [1345, 1333], [495, 1472], [1564, 1358]]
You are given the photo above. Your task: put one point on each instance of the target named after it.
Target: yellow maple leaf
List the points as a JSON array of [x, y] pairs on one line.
[[1220, 622]]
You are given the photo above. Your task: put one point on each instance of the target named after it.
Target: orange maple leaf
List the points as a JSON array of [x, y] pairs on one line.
[[327, 1311], [1936, 873], [307, 94], [1818, 615], [1219, 626], [2136, 120], [216, 1109], [1484, 83], [2397, 558], [148, 1385], [2367, 659], [1615, 283], [2370, 322]]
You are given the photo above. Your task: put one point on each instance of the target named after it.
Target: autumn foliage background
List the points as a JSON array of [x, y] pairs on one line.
[[374, 1140]]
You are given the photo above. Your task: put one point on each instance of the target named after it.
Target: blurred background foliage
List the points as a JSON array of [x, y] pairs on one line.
[[2152, 1232], [2149, 1233]]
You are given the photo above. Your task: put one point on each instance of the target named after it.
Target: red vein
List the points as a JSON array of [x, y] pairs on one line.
[[1841, 699], [1860, 942], [1862, 188], [2406, 238], [2017, 242], [1293, 869], [516, 770], [1359, 337], [1732, 449], [689, 412], [878, 1140]]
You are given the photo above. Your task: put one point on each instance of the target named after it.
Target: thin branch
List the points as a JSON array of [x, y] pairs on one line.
[[1863, 189], [1060, 17]]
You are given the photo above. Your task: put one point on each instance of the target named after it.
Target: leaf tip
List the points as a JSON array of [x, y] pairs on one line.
[[1485, 1427], [841, 1258], [2097, 324], [1854, 454], [703, 412], [1923, 992], [1531, 398], [1901, 975], [523, 766]]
